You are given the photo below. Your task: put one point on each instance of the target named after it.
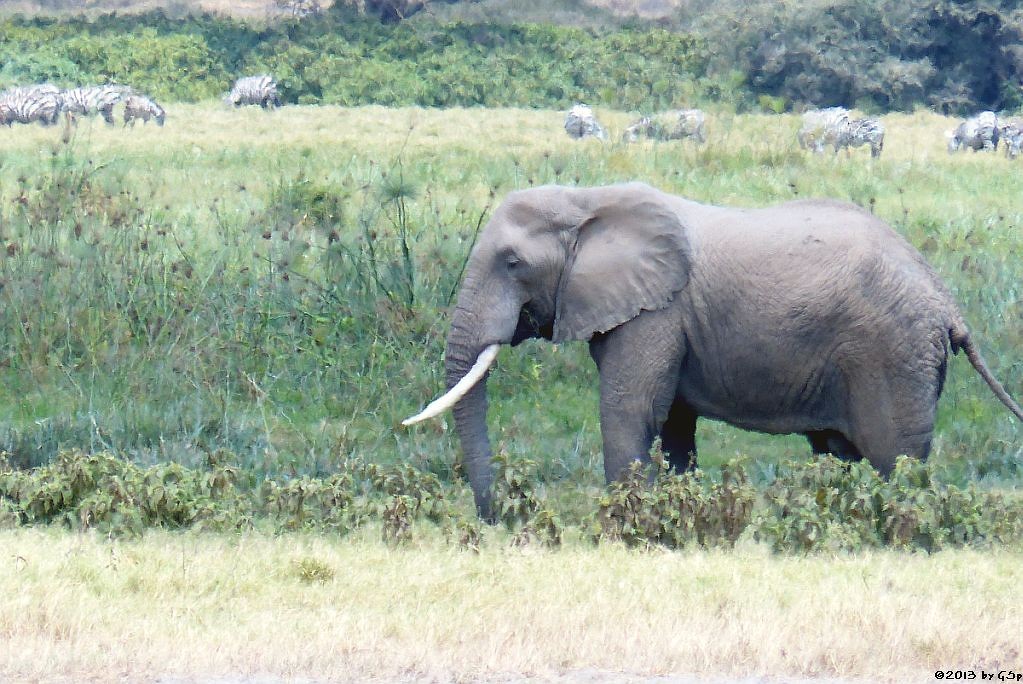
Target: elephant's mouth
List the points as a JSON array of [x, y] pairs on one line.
[[531, 326]]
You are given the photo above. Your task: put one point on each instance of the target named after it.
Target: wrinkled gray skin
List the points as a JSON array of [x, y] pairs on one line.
[[811, 317]]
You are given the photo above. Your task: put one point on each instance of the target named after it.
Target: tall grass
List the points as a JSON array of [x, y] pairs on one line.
[[277, 284]]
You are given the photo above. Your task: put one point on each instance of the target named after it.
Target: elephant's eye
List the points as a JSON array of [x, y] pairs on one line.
[[512, 261]]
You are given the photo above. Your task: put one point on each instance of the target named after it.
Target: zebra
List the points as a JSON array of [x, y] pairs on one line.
[[644, 126], [90, 100], [834, 126], [580, 123], [1011, 133], [676, 125], [979, 132], [857, 132], [688, 124], [28, 104], [821, 127], [254, 90], [141, 107]]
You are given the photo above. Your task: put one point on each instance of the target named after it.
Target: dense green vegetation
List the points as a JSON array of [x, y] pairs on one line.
[[350, 60], [878, 55], [821, 505], [951, 55], [267, 295]]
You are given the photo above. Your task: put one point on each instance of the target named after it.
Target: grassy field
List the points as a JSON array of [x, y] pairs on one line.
[[237, 280], [300, 608], [272, 288]]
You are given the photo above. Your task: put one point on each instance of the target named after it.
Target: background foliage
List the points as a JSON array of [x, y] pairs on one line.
[[878, 55], [348, 59]]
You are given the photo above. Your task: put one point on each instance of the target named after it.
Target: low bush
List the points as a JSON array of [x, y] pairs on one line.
[[819, 505], [822, 505]]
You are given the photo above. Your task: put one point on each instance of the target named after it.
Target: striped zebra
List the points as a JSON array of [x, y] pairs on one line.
[[141, 107], [29, 104], [822, 127], [254, 90], [834, 126], [92, 100], [580, 123], [688, 124], [1011, 133], [639, 128], [979, 132], [677, 125], [857, 132]]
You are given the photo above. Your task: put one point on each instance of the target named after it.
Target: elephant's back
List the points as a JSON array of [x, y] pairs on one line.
[[813, 244], [826, 260], [810, 228]]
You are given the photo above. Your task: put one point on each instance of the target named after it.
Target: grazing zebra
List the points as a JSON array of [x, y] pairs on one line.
[[676, 125], [833, 126], [580, 123], [1011, 133], [976, 133], [141, 107], [91, 100], [642, 127], [821, 127], [688, 124], [857, 132], [28, 104], [254, 90]]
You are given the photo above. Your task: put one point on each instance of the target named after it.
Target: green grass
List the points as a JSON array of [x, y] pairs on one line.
[[230, 292], [236, 280]]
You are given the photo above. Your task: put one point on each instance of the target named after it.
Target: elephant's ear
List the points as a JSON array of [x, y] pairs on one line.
[[630, 255]]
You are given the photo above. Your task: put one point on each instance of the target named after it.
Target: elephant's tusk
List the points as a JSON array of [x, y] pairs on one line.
[[461, 388]]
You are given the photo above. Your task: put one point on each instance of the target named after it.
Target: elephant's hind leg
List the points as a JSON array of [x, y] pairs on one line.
[[678, 437], [892, 419]]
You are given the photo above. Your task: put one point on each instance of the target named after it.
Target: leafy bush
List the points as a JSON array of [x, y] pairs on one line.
[[100, 491], [824, 505], [519, 506], [675, 510]]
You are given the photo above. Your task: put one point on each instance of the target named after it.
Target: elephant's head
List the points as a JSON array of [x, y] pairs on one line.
[[559, 263]]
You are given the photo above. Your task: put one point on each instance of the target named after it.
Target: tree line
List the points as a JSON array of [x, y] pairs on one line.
[[877, 55]]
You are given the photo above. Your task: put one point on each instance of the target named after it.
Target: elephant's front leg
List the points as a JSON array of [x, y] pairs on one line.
[[639, 364]]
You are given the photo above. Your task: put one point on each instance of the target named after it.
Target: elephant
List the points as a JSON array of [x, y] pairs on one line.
[[812, 317]]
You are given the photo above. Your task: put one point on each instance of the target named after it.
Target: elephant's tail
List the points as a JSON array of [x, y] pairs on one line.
[[961, 340]]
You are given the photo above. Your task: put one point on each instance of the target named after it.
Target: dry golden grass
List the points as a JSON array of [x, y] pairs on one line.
[[188, 606]]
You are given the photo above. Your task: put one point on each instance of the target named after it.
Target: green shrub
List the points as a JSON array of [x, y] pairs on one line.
[[823, 505], [675, 510]]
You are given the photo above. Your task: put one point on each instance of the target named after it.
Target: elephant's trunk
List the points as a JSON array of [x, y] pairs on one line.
[[461, 354], [484, 318]]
